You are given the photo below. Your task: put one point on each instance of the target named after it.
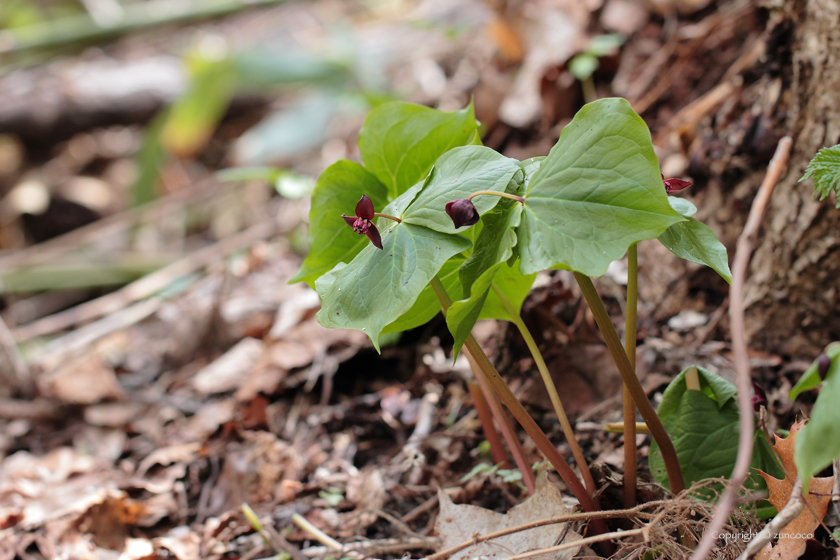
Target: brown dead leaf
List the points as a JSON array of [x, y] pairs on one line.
[[181, 542], [85, 380], [791, 542], [230, 370], [460, 523]]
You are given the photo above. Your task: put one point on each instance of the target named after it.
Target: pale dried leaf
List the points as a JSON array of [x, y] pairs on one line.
[[230, 370], [460, 523], [84, 380]]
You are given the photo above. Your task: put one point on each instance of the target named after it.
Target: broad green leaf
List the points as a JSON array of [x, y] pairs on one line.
[[818, 444], [427, 304], [694, 241], [457, 174], [825, 169], [337, 191], [488, 262], [682, 206], [380, 285], [597, 192], [400, 142], [463, 314], [703, 426], [811, 377]]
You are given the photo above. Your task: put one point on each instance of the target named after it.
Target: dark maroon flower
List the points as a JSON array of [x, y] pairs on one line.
[[362, 223], [462, 212], [823, 363], [760, 397], [672, 185]]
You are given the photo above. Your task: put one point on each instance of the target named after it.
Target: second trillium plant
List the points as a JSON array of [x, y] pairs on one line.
[[465, 228]]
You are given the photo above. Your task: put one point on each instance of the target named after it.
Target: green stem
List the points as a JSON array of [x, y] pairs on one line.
[[550, 387], [509, 399], [630, 349], [497, 193], [486, 418], [657, 430]]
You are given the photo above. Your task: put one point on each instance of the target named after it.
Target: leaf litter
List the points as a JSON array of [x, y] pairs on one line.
[[155, 431]]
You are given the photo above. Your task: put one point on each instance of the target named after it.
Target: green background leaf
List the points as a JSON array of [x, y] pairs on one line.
[[597, 192], [694, 241], [400, 142], [811, 377], [825, 169], [380, 285], [704, 428], [337, 191], [818, 444], [457, 174]]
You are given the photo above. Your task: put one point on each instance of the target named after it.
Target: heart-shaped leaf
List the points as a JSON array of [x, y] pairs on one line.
[[337, 191], [427, 304], [704, 428], [457, 174], [380, 285], [400, 142], [694, 241], [597, 192]]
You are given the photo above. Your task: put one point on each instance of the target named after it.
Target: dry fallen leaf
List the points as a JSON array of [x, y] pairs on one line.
[[460, 523], [792, 538]]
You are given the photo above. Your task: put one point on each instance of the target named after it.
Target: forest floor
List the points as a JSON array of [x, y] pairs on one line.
[[170, 374]]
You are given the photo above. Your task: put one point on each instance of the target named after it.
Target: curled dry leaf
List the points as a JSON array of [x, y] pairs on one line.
[[460, 523], [791, 538]]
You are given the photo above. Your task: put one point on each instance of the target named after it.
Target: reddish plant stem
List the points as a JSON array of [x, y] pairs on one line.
[[497, 450], [542, 442], [657, 430], [498, 412]]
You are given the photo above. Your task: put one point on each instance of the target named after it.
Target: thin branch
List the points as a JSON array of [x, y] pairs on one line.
[[739, 347], [628, 406], [587, 541], [584, 516], [790, 512]]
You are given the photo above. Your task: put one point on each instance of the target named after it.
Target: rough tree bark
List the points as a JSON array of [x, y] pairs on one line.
[[794, 284]]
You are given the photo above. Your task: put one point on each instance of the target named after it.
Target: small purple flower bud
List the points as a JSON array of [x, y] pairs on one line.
[[823, 363], [760, 397], [672, 185], [462, 212]]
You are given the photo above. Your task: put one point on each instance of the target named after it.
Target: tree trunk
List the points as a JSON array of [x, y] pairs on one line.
[[794, 284]]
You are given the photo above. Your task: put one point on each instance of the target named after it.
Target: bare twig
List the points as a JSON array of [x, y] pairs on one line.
[[146, 286], [587, 541], [316, 533], [790, 512], [370, 548], [584, 516], [739, 347], [835, 492]]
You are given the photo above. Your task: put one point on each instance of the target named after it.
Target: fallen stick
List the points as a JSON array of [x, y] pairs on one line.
[[146, 286], [743, 252]]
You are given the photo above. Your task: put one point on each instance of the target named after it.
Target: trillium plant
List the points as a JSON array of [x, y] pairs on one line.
[[464, 230]]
